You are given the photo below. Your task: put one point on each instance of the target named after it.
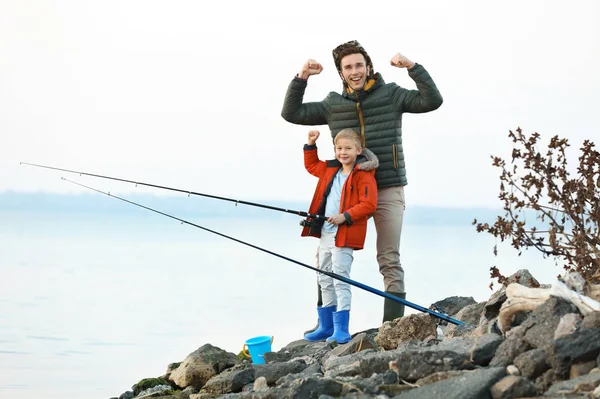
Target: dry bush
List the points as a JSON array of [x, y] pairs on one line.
[[548, 209]]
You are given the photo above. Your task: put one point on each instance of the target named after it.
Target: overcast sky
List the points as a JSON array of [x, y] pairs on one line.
[[189, 93]]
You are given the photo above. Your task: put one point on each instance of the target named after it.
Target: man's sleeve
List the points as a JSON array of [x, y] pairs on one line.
[[294, 111], [426, 98]]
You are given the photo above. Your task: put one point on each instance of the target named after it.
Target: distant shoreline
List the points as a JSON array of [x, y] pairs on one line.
[[183, 206]]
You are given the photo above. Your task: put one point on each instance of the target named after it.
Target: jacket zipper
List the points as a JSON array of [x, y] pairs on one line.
[[395, 155], [362, 123]]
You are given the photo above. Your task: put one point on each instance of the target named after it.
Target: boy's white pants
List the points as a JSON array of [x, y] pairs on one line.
[[339, 261]]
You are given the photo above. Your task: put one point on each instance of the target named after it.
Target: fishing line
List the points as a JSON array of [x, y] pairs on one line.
[[236, 201], [330, 274]]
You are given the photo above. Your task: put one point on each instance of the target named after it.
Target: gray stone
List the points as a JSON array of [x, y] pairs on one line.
[[201, 365], [579, 347], [470, 315], [311, 387], [369, 385], [274, 371], [127, 395], [300, 348], [362, 364], [543, 321], [586, 383], [579, 369], [452, 305], [413, 326], [592, 320], [545, 381], [481, 350], [439, 376], [232, 380], [567, 325], [512, 346], [475, 384], [531, 364], [513, 387], [314, 370], [413, 365]]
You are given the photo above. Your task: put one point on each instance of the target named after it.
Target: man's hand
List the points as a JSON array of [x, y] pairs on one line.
[[337, 219], [310, 67], [313, 135], [400, 61]]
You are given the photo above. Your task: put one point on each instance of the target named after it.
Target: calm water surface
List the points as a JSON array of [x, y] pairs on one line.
[[92, 303]]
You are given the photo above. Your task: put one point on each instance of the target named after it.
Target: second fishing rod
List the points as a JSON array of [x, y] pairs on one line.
[[188, 192]]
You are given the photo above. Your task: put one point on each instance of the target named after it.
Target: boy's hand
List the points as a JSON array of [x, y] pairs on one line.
[[310, 67], [313, 135], [400, 61], [337, 219]]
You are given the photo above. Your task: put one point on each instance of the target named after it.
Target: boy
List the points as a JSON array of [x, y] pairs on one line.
[[347, 194]]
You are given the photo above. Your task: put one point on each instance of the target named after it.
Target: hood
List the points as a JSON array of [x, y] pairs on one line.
[[367, 160]]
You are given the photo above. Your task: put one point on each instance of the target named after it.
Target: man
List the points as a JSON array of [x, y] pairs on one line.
[[373, 108]]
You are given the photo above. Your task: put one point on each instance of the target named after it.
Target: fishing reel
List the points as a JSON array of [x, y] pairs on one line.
[[306, 223]]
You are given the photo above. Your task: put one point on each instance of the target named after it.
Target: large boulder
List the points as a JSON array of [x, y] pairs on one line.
[[201, 365]]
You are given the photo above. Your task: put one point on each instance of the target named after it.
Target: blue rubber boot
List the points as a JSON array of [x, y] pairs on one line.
[[325, 324], [341, 320]]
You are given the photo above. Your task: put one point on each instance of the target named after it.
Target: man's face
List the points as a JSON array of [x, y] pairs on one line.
[[354, 71]]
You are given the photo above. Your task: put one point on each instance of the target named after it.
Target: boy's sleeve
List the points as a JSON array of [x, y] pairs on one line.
[[313, 165]]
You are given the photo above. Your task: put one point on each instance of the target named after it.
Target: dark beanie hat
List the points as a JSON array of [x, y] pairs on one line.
[[351, 47]]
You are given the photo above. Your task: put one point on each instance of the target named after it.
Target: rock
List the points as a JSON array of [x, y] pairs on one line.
[[581, 346], [543, 321], [413, 326], [439, 376], [201, 365], [369, 385], [532, 363], [513, 387], [512, 346], [592, 320], [274, 371], [470, 315], [299, 349], [475, 384], [311, 387], [230, 380], [583, 384], [260, 384], [579, 369], [452, 305], [568, 324]]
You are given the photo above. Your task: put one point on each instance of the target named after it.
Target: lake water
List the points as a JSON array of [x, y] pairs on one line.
[[90, 303]]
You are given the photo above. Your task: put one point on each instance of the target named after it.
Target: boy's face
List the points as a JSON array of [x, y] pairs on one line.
[[354, 71], [346, 151]]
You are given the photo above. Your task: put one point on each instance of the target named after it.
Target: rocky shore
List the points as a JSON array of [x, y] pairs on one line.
[[550, 348]]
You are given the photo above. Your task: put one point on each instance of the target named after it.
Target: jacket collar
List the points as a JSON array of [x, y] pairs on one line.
[[366, 161], [371, 85]]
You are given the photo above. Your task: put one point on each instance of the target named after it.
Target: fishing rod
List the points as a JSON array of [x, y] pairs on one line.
[[273, 208], [372, 290]]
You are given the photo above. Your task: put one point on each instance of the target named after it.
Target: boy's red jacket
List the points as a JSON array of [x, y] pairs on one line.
[[359, 196]]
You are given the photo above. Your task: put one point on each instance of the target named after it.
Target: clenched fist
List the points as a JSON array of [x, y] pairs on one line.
[[310, 67], [400, 61], [313, 135]]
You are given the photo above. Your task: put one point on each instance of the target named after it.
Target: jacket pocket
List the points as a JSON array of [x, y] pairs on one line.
[[395, 155]]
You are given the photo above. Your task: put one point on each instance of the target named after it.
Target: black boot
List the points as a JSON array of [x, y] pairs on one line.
[[392, 309], [319, 304]]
